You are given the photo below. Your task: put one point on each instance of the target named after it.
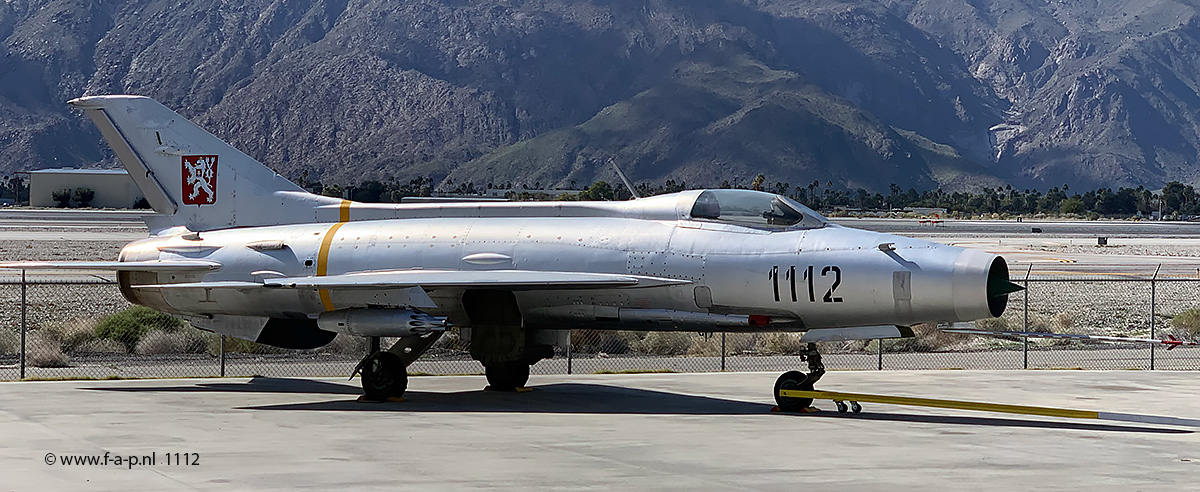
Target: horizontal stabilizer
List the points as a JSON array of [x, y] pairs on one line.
[[398, 279], [117, 266]]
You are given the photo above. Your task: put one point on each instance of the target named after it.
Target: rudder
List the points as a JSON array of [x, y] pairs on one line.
[[191, 177]]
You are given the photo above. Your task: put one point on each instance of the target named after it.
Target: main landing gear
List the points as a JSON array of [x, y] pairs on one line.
[[506, 376], [385, 373], [796, 380]]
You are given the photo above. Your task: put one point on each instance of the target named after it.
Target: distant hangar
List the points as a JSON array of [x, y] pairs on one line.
[[113, 187]]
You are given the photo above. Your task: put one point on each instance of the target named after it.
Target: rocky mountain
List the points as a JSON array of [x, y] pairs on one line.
[[922, 93]]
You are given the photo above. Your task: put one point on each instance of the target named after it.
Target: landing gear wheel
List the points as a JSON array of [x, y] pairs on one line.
[[792, 380], [506, 376], [855, 407], [841, 406], [384, 376]]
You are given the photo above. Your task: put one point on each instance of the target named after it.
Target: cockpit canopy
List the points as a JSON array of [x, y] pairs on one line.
[[754, 209]]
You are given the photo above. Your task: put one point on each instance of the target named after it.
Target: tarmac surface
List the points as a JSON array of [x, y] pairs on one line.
[[599, 432]]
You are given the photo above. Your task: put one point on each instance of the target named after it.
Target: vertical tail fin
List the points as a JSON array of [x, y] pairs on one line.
[[192, 178]]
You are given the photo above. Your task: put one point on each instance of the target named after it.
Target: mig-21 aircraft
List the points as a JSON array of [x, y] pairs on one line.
[[236, 249]]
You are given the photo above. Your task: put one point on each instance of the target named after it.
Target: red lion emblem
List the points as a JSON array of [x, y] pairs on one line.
[[199, 179]]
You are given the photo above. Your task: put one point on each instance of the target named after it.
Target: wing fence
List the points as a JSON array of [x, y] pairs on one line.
[[67, 327]]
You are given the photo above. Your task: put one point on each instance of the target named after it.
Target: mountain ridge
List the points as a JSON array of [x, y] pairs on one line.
[[923, 93]]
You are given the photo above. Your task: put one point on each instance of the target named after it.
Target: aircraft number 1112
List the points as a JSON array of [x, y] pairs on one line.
[[808, 275]]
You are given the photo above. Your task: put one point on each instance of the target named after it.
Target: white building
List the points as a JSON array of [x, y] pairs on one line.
[[113, 187]]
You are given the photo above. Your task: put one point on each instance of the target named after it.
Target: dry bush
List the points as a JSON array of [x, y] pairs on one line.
[[927, 338], [10, 342], [100, 346], [992, 324], [1039, 323], [241, 346], [1063, 322], [663, 343], [783, 343], [607, 341], [43, 351], [704, 346], [160, 342], [452, 340], [743, 343], [349, 344], [615, 342], [1187, 324], [71, 333]]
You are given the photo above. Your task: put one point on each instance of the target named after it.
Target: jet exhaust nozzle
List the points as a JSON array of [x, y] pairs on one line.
[[381, 322]]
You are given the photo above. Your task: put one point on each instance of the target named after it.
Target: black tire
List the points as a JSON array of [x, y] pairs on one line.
[[792, 380], [384, 376], [507, 376]]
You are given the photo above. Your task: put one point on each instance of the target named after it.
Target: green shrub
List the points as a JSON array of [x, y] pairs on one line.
[[1187, 324], [84, 196], [130, 325], [63, 197]]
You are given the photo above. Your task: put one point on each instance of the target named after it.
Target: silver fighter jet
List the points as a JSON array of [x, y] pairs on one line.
[[239, 250]]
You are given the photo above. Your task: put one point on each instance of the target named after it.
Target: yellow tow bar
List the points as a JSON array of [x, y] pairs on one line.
[[987, 407]]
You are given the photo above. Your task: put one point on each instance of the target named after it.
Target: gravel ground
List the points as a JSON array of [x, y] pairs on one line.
[[59, 250]]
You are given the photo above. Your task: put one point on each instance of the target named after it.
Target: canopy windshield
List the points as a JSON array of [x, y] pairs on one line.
[[754, 209]]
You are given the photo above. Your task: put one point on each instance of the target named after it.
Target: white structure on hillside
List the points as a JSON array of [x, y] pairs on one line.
[[113, 187]]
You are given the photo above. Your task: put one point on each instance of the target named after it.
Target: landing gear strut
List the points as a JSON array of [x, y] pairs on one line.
[[796, 380]]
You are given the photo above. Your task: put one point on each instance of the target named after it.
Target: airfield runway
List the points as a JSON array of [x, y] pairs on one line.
[[599, 432]]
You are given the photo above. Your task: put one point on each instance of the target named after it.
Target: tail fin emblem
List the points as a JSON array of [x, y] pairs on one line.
[[199, 179]]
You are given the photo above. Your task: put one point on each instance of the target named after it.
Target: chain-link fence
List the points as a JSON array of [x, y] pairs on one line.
[[81, 327]]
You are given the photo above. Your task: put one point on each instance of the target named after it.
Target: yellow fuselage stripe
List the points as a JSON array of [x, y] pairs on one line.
[[930, 402], [344, 211], [323, 258]]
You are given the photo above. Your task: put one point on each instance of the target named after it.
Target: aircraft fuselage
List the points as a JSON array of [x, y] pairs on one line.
[[784, 280]]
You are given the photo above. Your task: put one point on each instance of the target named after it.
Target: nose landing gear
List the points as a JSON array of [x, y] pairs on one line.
[[385, 372], [796, 380]]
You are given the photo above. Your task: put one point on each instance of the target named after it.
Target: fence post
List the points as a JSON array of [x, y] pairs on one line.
[[1025, 350], [1153, 311], [880, 342], [222, 355], [1025, 314], [722, 351], [1025, 298], [570, 334], [24, 307]]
